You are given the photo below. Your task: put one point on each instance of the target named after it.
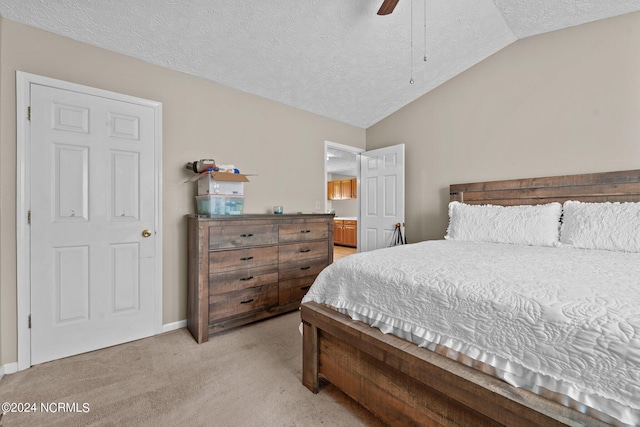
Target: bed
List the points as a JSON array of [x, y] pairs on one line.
[[454, 381]]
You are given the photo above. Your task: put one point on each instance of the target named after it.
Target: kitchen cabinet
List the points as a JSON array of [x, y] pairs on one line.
[[342, 189], [345, 232], [334, 190], [345, 188], [338, 231], [350, 236]]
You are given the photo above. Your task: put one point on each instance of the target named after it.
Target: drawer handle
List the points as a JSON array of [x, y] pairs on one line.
[[247, 301], [305, 268], [247, 235], [244, 279], [304, 251], [246, 258], [305, 288], [305, 231]]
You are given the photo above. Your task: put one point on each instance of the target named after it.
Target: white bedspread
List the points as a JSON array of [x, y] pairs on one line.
[[563, 319]]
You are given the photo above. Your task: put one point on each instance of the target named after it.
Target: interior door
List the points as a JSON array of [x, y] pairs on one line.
[[381, 196], [92, 222]]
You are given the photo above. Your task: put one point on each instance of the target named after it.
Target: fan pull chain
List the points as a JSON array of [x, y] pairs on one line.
[[411, 45], [425, 30]]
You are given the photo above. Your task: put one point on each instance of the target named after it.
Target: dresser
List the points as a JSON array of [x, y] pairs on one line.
[[249, 267]]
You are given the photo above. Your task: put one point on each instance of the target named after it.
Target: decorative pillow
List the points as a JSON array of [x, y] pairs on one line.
[[535, 225], [610, 226]]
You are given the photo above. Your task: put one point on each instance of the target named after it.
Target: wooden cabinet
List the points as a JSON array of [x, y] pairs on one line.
[[338, 232], [345, 188], [334, 190], [345, 232], [249, 267], [350, 233], [342, 189]]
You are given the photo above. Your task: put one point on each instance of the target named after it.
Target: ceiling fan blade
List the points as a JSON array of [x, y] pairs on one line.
[[387, 7]]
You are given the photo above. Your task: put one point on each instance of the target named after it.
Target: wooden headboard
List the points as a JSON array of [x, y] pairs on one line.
[[622, 186]]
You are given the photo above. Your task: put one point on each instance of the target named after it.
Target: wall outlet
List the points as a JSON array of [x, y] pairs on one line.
[[318, 207]]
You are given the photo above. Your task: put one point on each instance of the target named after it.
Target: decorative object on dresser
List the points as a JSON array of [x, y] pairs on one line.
[[250, 267]]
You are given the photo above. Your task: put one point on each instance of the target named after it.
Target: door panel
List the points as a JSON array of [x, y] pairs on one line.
[[93, 280], [70, 118], [382, 196], [390, 196], [124, 186], [371, 192], [71, 275], [125, 278]]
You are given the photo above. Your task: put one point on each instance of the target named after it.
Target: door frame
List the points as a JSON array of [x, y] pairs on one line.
[[357, 151], [23, 198]]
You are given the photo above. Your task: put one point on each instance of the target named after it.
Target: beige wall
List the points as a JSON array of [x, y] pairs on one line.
[[282, 145], [559, 103]]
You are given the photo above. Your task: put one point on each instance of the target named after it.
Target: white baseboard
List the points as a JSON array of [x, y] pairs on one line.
[[12, 368], [9, 368], [175, 325]]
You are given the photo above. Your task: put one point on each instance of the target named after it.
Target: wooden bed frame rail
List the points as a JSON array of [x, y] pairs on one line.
[[406, 385]]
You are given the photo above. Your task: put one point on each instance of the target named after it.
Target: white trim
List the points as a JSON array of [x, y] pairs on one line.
[[23, 83], [9, 368], [168, 327], [157, 106], [23, 235]]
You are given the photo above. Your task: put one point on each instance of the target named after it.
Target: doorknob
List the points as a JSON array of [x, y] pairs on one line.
[[146, 233]]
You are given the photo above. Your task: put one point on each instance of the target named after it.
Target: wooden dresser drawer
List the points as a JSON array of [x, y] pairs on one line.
[[303, 231], [294, 289], [244, 301], [242, 235], [304, 268], [301, 251], [235, 280], [242, 258]]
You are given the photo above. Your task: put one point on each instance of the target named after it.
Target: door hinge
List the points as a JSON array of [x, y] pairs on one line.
[[29, 113], [29, 321], [29, 217]]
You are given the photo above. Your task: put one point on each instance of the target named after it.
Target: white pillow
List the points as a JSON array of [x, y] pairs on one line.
[[610, 226], [536, 225]]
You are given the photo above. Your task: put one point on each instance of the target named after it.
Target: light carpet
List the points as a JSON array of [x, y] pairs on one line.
[[249, 376]]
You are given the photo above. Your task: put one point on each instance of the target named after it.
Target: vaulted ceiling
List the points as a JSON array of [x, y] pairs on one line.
[[335, 58]]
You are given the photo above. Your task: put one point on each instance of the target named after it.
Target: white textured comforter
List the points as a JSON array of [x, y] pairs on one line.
[[563, 319]]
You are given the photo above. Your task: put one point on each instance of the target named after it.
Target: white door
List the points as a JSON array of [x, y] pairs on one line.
[[93, 220], [381, 196]]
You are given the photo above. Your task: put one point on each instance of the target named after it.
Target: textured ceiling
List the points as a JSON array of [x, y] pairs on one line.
[[335, 58], [341, 162]]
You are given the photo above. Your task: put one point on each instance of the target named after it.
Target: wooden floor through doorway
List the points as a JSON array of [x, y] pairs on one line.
[[342, 251]]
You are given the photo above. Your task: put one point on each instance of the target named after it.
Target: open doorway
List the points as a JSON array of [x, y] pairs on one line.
[[342, 177], [374, 207]]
